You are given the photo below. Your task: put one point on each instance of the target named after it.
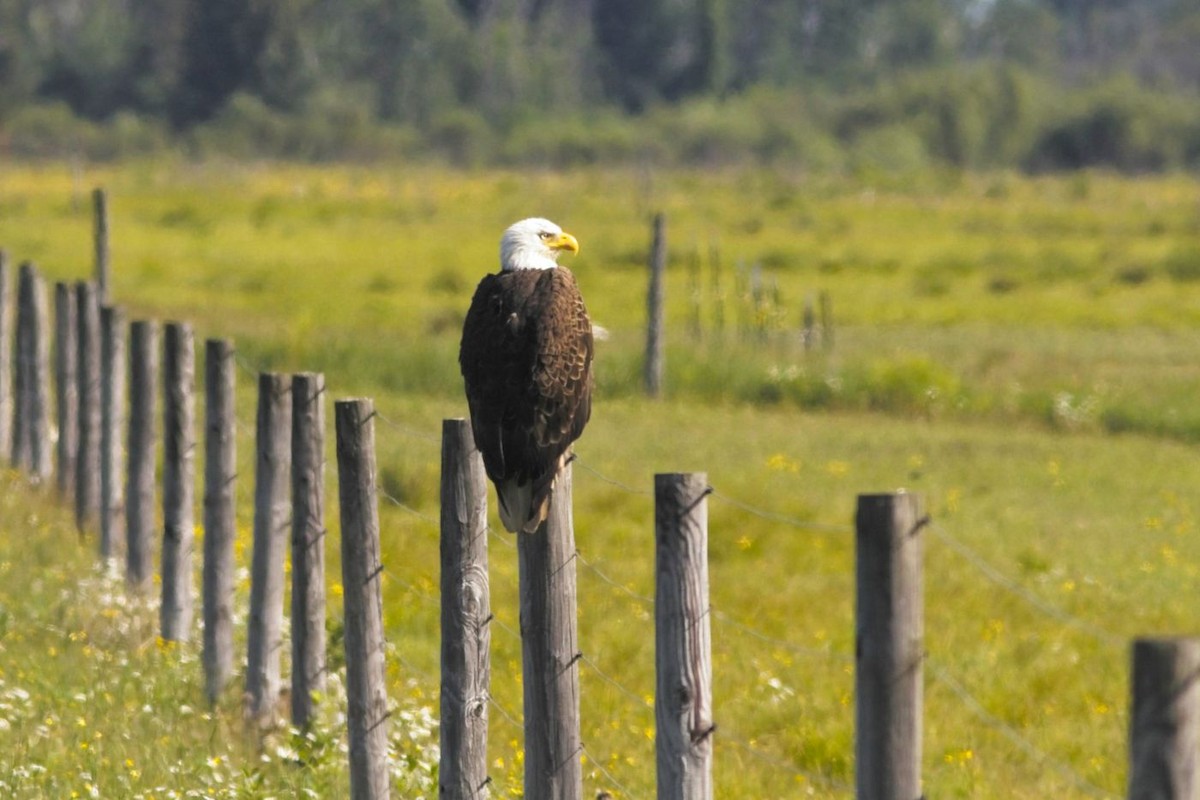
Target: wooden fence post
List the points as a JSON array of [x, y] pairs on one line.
[[655, 318], [87, 459], [272, 515], [1164, 723], [6, 353], [308, 543], [100, 239], [889, 646], [66, 384], [683, 710], [19, 453], [220, 477], [466, 612], [39, 384], [550, 652], [139, 489], [112, 422], [366, 694], [179, 481]]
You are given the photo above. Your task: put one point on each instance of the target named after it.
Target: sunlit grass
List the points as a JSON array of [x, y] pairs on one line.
[[999, 341]]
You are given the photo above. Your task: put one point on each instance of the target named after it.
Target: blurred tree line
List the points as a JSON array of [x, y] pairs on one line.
[[1042, 84]]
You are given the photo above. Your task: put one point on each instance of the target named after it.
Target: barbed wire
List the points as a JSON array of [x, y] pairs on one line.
[[616, 684], [773, 516], [512, 720], [613, 583], [620, 787], [730, 737], [1002, 580], [406, 507], [407, 430], [1011, 733], [612, 481], [815, 652]]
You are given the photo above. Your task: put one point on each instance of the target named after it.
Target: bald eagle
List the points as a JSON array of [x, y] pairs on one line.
[[526, 359]]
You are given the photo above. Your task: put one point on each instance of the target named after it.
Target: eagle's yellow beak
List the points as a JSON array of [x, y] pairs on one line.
[[564, 241]]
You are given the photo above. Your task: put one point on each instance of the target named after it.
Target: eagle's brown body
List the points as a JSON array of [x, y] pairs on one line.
[[526, 359]]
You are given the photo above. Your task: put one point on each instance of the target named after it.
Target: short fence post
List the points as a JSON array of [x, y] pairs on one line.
[[466, 612], [683, 710], [66, 384], [272, 515], [112, 422], [100, 239], [179, 481], [366, 694], [550, 652], [1164, 723], [19, 452], [889, 646], [139, 489], [308, 543], [220, 476], [87, 459], [6, 353], [33, 356], [655, 315]]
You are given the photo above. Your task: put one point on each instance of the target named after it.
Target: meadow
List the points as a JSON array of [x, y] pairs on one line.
[[1014, 348]]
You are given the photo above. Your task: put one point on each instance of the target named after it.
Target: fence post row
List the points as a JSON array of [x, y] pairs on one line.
[[366, 694], [31, 414], [112, 422], [683, 710], [308, 543], [87, 460], [889, 646], [100, 239], [139, 491], [550, 651], [220, 478], [179, 413], [272, 513], [466, 612], [66, 361], [1164, 723]]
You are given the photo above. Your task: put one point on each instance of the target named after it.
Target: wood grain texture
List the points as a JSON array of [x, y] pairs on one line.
[[179, 481], [220, 492], [308, 543]]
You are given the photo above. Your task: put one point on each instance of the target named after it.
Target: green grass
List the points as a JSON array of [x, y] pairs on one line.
[[1017, 350]]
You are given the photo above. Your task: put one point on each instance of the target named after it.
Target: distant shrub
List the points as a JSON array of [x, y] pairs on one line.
[[1183, 264]]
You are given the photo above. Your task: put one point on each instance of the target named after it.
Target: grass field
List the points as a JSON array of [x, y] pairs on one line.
[[1018, 350]]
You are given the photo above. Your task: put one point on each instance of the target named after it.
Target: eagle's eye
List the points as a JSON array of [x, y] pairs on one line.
[[545, 236]]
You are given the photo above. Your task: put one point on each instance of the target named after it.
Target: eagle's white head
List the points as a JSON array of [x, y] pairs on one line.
[[534, 243]]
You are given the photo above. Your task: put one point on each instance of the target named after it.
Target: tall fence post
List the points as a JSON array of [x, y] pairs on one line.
[[66, 384], [112, 422], [550, 652], [87, 459], [308, 543], [100, 239], [220, 477], [466, 612], [179, 481], [31, 416], [139, 491], [6, 352], [655, 315], [683, 710], [1164, 724], [366, 694], [272, 514], [889, 646]]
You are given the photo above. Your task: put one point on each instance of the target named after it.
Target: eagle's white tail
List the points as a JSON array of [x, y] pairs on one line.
[[518, 511]]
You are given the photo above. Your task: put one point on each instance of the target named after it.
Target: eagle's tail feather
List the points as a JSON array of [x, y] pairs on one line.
[[525, 506]]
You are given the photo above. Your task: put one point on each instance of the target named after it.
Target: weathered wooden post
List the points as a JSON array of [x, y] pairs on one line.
[[139, 487], [179, 481], [1164, 724], [6, 353], [550, 652], [308, 543], [37, 366], [466, 611], [100, 239], [112, 422], [826, 320], [683, 709], [66, 384], [220, 477], [19, 452], [87, 459], [889, 646], [366, 695], [655, 315], [272, 515]]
